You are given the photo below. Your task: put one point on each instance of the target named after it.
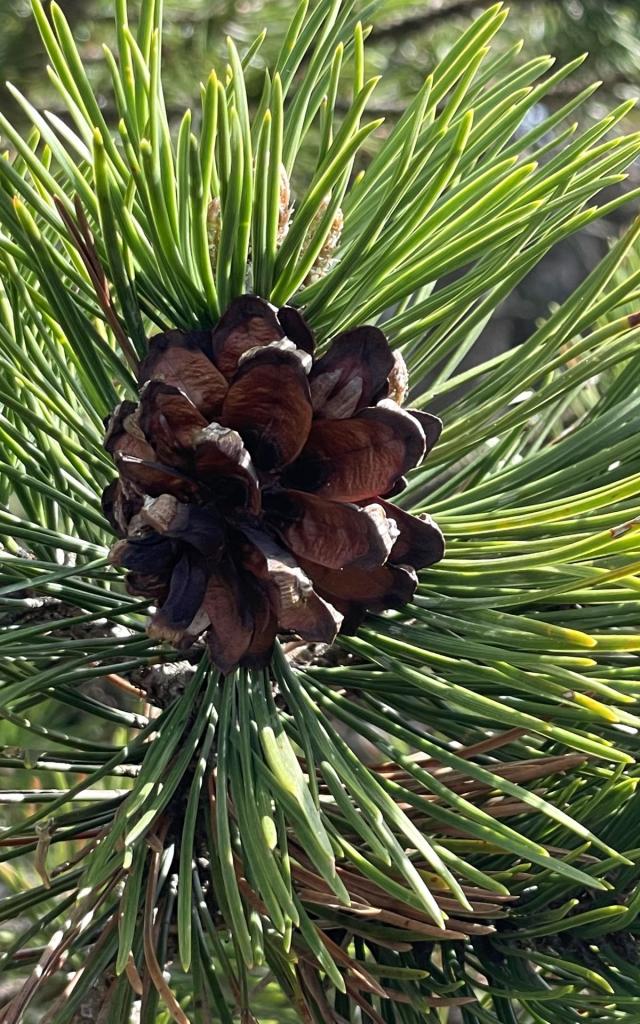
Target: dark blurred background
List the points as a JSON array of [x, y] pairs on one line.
[[406, 42]]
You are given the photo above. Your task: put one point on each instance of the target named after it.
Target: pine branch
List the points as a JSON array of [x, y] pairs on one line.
[[436, 808], [437, 12]]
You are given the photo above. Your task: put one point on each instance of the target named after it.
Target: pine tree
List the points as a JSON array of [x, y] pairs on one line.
[[374, 785]]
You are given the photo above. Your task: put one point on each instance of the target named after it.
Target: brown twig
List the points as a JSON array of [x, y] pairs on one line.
[[151, 960], [83, 240], [102, 939], [56, 952], [125, 686]]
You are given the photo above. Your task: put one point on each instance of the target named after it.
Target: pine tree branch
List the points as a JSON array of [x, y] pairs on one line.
[[418, 22]]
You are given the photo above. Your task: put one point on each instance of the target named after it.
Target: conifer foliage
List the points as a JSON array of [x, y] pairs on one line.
[[433, 818]]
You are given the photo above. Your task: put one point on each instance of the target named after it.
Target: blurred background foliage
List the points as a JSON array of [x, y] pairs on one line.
[[408, 38]]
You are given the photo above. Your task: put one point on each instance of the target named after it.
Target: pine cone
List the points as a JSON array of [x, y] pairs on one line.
[[249, 475]]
